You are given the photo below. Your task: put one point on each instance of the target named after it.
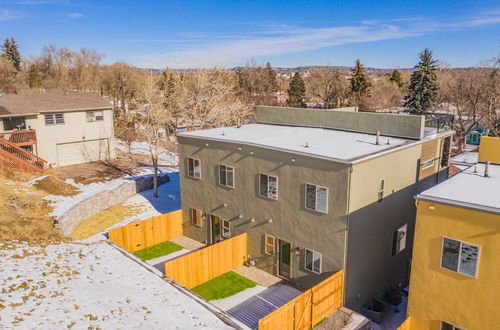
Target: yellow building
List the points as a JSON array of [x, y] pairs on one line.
[[455, 276]]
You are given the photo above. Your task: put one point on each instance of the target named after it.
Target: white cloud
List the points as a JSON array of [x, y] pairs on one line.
[[283, 39], [76, 15], [6, 15]]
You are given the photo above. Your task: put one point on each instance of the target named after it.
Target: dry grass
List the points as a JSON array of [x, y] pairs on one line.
[[54, 186], [23, 210], [100, 221]]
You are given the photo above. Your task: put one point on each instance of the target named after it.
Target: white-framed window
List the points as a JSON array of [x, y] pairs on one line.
[[399, 239], [225, 228], [96, 115], [196, 217], [427, 164], [268, 186], [269, 244], [313, 261], [316, 198], [226, 176], [449, 326], [380, 192], [194, 168], [460, 257], [54, 118]]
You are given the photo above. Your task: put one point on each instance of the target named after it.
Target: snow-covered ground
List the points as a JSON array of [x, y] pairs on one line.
[[80, 286], [142, 148]]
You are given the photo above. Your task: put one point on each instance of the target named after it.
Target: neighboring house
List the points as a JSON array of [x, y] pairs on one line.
[[455, 277], [316, 191], [63, 129]]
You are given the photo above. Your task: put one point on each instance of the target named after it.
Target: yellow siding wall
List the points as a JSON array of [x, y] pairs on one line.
[[439, 294], [489, 149]]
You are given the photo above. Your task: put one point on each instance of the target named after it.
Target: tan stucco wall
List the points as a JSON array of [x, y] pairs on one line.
[[324, 233], [75, 129], [401, 125], [398, 169], [439, 294]]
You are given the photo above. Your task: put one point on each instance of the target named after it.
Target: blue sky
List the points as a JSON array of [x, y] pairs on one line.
[[158, 34]]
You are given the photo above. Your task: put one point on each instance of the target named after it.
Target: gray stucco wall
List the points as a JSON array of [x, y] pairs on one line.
[[409, 126], [68, 221], [324, 233]]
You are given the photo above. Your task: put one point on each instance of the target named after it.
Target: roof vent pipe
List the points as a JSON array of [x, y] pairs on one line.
[[377, 140], [486, 168]]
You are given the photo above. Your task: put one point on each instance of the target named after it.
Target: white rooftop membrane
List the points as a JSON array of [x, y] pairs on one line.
[[319, 142], [469, 189]]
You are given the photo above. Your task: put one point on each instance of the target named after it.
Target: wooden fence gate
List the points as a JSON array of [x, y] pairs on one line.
[[309, 308], [142, 234]]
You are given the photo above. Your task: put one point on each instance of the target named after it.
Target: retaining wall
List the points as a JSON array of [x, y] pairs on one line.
[[68, 221]]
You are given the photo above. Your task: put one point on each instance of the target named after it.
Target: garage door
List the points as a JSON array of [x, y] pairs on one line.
[[82, 152]]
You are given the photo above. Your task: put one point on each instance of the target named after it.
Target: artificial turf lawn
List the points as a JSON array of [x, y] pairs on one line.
[[158, 250], [223, 286]]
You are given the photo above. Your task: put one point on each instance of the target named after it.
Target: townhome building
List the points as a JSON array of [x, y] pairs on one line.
[[455, 278], [57, 128], [316, 190]]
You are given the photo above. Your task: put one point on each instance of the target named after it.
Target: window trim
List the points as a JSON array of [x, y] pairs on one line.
[[476, 270], [266, 244], [187, 165], [191, 213], [427, 164], [381, 190], [406, 239], [320, 261], [94, 116], [222, 227], [277, 186], [453, 325], [316, 199], [225, 185], [53, 116]]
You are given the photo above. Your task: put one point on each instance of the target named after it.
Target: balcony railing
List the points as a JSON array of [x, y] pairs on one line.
[[20, 138]]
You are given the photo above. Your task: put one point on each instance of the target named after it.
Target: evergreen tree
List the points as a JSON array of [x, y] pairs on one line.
[[360, 84], [397, 78], [297, 91], [168, 87], [11, 52], [34, 78], [271, 76], [423, 89]]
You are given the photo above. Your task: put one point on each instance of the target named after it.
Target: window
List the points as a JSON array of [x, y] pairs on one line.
[[54, 118], [194, 169], [95, 116], [449, 326], [196, 217], [399, 239], [226, 229], [316, 198], [313, 261], [226, 176], [269, 244], [268, 186], [460, 257], [13, 123], [427, 164], [380, 193]]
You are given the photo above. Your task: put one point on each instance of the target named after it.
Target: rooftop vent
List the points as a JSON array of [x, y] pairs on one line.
[[486, 169], [377, 138]]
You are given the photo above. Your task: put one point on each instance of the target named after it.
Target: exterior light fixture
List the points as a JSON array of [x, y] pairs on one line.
[[224, 205], [296, 251], [251, 153], [293, 160], [206, 144], [269, 220], [203, 217], [240, 216], [252, 220], [239, 148], [432, 207]]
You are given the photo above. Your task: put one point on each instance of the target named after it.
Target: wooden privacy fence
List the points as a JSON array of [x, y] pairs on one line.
[[142, 234], [209, 262], [406, 325], [309, 308]]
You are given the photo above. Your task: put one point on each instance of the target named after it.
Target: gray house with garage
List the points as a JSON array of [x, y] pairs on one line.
[[317, 191], [61, 128]]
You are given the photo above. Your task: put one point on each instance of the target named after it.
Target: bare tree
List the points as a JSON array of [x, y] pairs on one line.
[[491, 98], [327, 86], [120, 81]]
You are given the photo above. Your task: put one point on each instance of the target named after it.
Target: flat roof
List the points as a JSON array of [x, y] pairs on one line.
[[470, 189], [23, 104], [338, 145]]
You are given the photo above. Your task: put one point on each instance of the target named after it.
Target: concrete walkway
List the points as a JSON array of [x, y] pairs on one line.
[[187, 243], [257, 275]]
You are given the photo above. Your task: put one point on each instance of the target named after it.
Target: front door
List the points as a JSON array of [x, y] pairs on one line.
[[214, 235], [284, 256]]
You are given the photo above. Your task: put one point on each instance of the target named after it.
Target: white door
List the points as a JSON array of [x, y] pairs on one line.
[[82, 152]]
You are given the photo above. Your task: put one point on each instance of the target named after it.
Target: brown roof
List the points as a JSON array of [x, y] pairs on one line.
[[34, 103]]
